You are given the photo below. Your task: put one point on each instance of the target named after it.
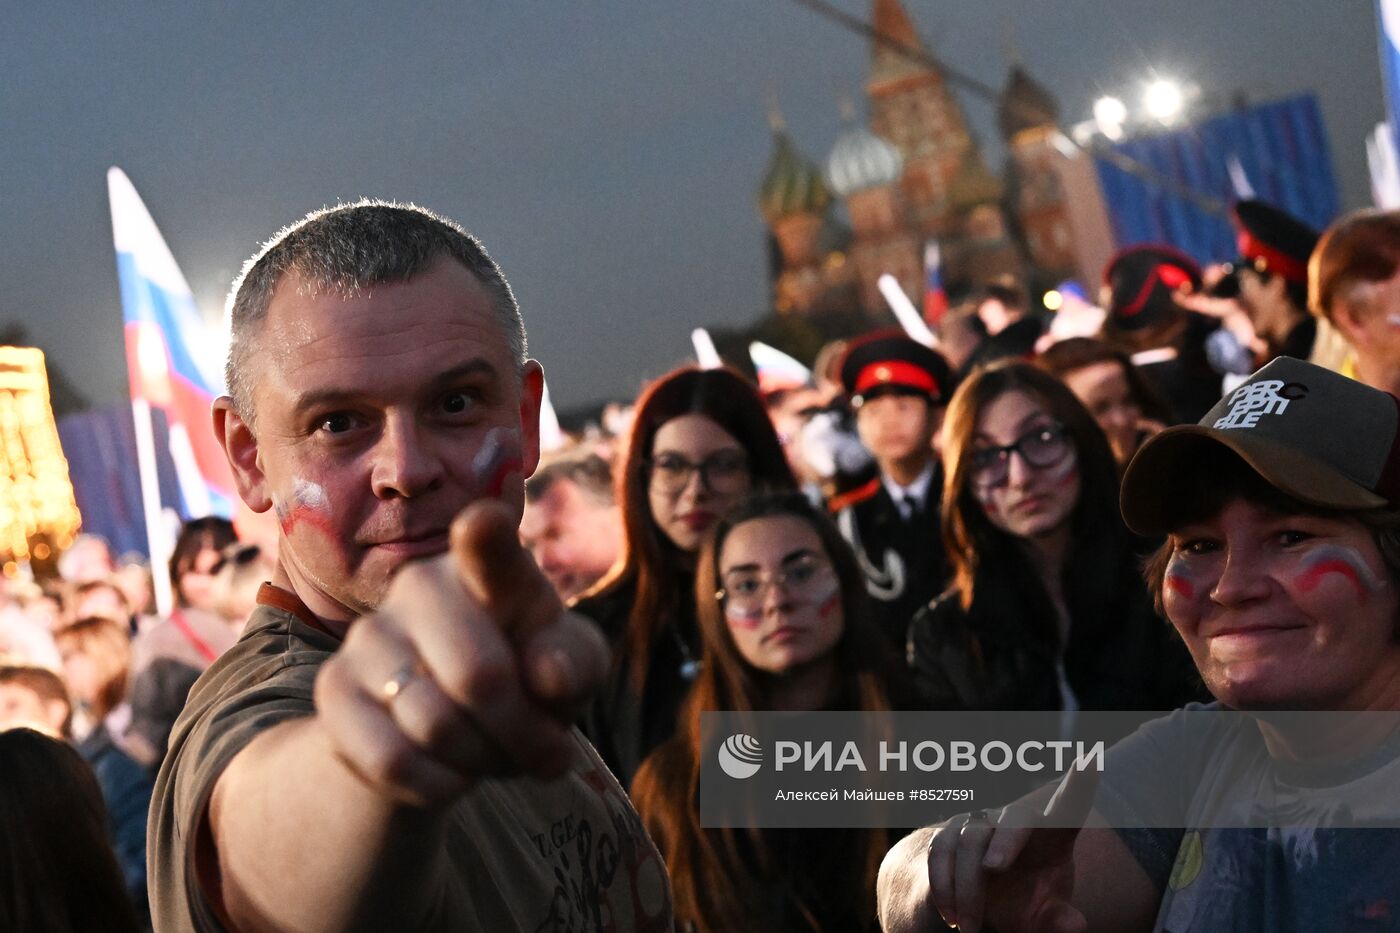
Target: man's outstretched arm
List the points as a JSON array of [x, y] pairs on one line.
[[335, 821]]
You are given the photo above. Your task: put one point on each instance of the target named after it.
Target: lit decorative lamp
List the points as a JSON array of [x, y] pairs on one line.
[[36, 497]]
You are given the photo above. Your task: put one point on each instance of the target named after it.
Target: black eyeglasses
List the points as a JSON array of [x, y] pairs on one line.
[[244, 554], [724, 472], [1040, 447]]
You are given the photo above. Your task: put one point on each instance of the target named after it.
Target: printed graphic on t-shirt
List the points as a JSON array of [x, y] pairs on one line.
[[1318, 880], [608, 877]]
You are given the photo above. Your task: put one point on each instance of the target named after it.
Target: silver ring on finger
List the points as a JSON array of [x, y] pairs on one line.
[[401, 678]]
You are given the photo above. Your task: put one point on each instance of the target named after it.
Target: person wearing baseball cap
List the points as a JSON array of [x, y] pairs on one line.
[[1325, 440], [1281, 574], [898, 388], [1144, 287]]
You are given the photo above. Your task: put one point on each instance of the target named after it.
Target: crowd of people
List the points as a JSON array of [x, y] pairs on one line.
[[87, 661], [466, 691]]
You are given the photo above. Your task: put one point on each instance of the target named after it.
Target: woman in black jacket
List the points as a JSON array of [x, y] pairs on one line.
[[1048, 609], [700, 441]]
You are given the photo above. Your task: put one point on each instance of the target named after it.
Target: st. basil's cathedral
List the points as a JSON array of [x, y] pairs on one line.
[[916, 175]]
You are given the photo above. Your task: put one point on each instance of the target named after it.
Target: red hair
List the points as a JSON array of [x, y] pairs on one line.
[[648, 557]]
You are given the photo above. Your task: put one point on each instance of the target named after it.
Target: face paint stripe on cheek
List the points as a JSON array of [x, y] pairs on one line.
[[1180, 585], [1330, 559], [827, 601], [497, 459], [1181, 579], [739, 619], [1068, 477], [309, 505], [1064, 473]]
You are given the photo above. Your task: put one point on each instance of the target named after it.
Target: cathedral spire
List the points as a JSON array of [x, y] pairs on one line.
[[776, 123], [1025, 104], [895, 33]]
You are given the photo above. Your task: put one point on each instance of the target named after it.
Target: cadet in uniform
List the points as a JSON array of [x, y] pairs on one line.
[[898, 388], [1273, 279]]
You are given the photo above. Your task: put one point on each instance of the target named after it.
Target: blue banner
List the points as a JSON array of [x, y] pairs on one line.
[[1183, 195]]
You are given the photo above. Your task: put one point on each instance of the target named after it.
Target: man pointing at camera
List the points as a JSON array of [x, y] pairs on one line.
[[390, 745]]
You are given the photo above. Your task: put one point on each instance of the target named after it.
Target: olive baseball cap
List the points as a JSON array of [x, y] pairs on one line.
[[1312, 433]]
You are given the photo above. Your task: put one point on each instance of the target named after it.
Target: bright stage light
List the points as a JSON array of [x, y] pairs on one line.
[[1110, 111], [1163, 100]]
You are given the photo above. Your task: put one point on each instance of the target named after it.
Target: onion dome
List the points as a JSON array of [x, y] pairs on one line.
[[1025, 104], [862, 160], [792, 185]]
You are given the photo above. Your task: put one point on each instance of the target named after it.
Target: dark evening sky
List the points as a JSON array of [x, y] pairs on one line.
[[607, 153]]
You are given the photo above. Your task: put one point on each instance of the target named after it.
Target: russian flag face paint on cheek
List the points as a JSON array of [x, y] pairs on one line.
[[745, 621], [1334, 560], [1065, 473], [307, 505], [498, 458], [1181, 580], [1181, 585]]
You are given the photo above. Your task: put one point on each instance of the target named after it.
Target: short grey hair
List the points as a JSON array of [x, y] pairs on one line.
[[351, 247]]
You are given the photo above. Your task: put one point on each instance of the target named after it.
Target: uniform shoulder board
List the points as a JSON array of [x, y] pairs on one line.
[[855, 496]]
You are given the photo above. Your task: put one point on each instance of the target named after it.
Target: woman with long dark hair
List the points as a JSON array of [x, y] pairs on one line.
[[58, 873], [1046, 609], [785, 626], [700, 441]]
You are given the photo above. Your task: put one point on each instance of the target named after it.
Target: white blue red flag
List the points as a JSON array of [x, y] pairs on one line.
[[935, 299], [776, 370], [173, 358], [1383, 151], [1388, 14]]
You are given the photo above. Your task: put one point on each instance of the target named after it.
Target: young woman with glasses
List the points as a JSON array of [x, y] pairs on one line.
[[785, 626], [700, 441], [1047, 609]]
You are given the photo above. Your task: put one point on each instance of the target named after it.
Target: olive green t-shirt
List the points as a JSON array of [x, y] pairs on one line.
[[567, 854]]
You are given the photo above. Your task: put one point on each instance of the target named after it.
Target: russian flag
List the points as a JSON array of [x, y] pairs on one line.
[[172, 358], [1382, 161], [776, 370], [935, 300]]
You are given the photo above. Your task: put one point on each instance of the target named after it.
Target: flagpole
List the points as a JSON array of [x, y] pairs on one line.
[[156, 542], [905, 311], [705, 353]]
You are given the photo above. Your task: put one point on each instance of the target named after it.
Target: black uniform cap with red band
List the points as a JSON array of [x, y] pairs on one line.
[[890, 362], [1143, 282], [1273, 241]]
